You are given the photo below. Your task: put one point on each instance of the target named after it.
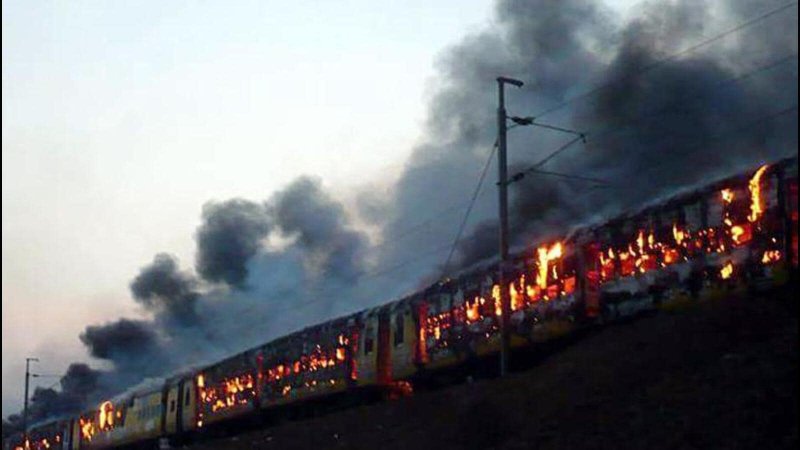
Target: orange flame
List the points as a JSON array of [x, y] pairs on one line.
[[679, 235], [727, 195], [106, 415], [472, 310], [87, 428], [771, 256], [727, 270], [516, 301], [498, 306], [756, 202], [546, 255]]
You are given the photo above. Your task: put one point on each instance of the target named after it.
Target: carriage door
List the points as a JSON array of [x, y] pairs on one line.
[[384, 357], [179, 409]]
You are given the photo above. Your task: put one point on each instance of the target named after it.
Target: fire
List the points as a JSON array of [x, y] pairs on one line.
[[756, 202], [472, 310], [679, 235], [546, 255], [607, 264], [106, 416], [727, 196], [516, 301], [87, 429], [671, 256], [550, 279], [727, 270], [228, 393], [533, 292], [741, 234], [498, 305], [771, 256]]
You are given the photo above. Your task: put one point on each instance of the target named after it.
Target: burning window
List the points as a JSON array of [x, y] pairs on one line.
[[757, 205], [227, 393], [105, 416], [87, 428], [320, 366], [727, 270]]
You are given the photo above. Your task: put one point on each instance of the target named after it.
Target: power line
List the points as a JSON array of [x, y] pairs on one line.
[[388, 269], [662, 61], [557, 152], [419, 226], [561, 175], [665, 110], [692, 95], [749, 124], [469, 209]]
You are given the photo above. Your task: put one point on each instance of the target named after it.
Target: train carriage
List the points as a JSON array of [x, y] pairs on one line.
[[743, 229], [227, 389], [315, 362]]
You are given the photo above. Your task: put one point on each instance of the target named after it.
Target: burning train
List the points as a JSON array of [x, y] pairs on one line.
[[740, 229]]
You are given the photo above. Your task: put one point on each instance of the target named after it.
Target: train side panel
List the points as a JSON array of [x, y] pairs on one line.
[[402, 340]]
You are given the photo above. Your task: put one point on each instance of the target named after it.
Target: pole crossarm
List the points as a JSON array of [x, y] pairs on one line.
[[520, 175], [531, 121]]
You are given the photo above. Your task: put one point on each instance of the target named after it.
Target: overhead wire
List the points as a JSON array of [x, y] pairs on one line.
[[615, 128], [390, 268], [582, 136], [476, 193], [469, 209], [658, 63]]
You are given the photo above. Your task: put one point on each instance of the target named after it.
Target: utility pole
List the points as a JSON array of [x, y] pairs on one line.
[[502, 184], [25, 407]]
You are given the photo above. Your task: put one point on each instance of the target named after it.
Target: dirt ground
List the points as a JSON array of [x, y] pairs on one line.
[[720, 373]]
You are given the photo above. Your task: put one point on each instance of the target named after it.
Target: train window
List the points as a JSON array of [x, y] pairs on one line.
[[172, 406], [368, 342], [186, 397], [399, 329]]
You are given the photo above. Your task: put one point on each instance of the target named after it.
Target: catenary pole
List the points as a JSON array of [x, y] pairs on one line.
[[502, 185], [25, 404]]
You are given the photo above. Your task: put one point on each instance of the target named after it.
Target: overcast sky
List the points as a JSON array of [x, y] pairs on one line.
[[121, 119]]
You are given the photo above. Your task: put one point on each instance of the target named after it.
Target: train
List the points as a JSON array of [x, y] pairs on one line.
[[738, 230]]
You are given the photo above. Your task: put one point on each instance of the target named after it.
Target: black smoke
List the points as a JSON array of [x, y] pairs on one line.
[[132, 346], [78, 385], [162, 287], [654, 122], [231, 234], [303, 210], [119, 339]]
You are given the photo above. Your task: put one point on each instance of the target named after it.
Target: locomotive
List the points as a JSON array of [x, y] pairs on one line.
[[742, 229]]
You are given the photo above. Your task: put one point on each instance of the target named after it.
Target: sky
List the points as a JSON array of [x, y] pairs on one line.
[[120, 120]]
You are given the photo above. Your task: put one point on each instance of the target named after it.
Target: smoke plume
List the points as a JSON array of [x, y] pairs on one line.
[[161, 287], [656, 117], [229, 237], [319, 223]]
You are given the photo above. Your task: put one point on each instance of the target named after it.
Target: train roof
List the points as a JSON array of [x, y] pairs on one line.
[[49, 421], [480, 267]]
